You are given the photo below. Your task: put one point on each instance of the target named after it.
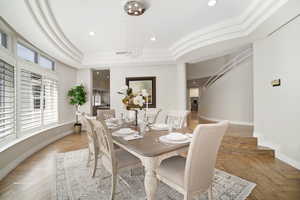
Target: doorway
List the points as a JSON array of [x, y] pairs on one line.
[[194, 99], [101, 90]]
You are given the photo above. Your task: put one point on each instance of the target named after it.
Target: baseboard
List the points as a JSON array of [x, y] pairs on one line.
[[231, 122], [12, 165], [278, 154]]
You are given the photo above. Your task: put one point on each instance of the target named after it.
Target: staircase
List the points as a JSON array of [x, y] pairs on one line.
[[239, 140], [241, 57], [244, 146]]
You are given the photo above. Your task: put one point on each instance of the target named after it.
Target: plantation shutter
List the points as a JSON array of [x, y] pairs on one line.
[[50, 101], [7, 101], [31, 104]]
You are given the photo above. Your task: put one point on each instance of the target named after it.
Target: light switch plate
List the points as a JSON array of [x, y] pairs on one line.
[[276, 82]]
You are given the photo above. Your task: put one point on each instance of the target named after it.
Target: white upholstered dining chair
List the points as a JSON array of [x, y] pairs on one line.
[[93, 146], [113, 160], [194, 175], [106, 114], [177, 118], [151, 115]]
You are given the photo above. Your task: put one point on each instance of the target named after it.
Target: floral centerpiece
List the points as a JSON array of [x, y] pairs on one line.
[[134, 101]]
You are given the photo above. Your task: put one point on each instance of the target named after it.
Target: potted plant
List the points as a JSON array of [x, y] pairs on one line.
[[77, 97]]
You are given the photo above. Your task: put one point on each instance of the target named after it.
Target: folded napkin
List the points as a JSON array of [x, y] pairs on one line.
[[132, 137]]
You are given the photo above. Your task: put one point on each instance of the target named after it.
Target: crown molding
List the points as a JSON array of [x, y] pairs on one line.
[[147, 56], [233, 28], [238, 27], [59, 31], [43, 16]]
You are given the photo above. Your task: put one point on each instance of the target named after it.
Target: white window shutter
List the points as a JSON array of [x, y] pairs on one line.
[[50, 101], [31, 100], [7, 101]]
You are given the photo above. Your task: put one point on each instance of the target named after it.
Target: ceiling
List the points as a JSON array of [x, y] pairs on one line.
[[61, 27]]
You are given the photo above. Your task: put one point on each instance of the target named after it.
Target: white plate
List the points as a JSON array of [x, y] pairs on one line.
[[176, 137], [125, 131], [165, 140], [160, 127]]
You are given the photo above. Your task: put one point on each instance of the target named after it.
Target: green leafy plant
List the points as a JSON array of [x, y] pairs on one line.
[[77, 97]]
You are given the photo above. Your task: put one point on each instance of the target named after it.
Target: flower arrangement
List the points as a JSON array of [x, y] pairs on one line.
[[132, 100]]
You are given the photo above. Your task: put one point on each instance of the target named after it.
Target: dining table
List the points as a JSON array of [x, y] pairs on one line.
[[151, 151]]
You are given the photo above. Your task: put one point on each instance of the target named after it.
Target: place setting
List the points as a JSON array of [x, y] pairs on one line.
[[127, 134], [176, 138]]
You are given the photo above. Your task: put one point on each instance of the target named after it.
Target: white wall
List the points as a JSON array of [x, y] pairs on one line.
[[230, 97], [67, 80], [205, 68], [277, 109], [182, 86], [85, 77], [166, 84]]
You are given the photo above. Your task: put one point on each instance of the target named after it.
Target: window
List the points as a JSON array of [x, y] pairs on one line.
[[28, 98], [46, 63], [26, 53], [30, 104], [3, 39], [50, 102], [7, 101]]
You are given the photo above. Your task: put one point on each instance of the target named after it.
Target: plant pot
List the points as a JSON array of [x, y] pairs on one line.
[[77, 128]]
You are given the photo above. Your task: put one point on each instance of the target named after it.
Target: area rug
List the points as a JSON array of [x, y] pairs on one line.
[[73, 182]]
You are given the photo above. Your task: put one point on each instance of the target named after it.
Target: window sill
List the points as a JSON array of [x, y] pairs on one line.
[[27, 136]]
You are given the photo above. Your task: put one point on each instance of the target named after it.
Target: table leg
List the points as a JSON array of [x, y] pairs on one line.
[[150, 177]]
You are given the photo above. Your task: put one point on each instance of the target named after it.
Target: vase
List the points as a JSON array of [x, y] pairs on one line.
[[135, 113], [77, 128], [136, 117]]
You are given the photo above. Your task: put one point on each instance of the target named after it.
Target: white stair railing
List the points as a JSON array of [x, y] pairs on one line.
[[241, 57]]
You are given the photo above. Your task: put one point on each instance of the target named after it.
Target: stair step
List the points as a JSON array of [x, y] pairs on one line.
[[239, 142], [259, 150]]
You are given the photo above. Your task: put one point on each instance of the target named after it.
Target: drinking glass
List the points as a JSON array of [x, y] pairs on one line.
[[171, 126], [142, 128]]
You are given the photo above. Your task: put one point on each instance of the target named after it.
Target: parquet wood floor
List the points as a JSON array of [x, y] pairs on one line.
[[33, 178]]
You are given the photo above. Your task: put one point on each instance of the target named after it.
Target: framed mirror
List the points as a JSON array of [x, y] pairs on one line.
[[148, 83]]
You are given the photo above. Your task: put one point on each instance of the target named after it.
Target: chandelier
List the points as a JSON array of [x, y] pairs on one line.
[[135, 7]]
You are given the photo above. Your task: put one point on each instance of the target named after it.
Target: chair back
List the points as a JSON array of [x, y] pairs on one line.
[[202, 155], [152, 115], [91, 136], [105, 141], [106, 114], [178, 118]]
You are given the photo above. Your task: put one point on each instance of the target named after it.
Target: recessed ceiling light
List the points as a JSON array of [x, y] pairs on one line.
[[91, 33], [212, 3], [153, 38]]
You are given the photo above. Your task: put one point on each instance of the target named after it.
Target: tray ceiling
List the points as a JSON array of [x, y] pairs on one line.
[[61, 27]]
